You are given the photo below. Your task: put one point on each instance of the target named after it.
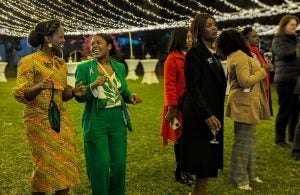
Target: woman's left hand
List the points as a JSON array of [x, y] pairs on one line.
[[135, 99], [79, 90]]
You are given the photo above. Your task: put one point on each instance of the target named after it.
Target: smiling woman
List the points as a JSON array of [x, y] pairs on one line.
[[42, 77], [105, 116]]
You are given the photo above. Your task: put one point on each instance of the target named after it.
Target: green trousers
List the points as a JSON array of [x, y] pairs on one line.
[[106, 157]]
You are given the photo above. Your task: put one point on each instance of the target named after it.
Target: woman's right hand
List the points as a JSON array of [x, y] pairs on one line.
[[213, 123], [171, 113], [32, 92], [98, 82], [45, 84], [268, 67]]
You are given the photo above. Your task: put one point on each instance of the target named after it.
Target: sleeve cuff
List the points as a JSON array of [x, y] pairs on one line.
[[94, 91]]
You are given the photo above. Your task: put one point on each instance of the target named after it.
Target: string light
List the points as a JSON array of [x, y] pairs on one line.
[[237, 8], [184, 7], [260, 4], [148, 12], [18, 17], [210, 9], [143, 20], [165, 9]]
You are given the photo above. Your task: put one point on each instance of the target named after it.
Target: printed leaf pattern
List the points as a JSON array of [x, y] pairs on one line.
[[110, 91]]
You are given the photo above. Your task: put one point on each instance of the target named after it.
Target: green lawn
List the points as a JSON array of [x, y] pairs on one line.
[[150, 165]]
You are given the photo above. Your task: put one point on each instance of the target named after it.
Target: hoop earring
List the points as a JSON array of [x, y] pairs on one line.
[[49, 45]]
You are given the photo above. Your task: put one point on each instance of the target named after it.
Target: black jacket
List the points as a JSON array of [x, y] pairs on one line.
[[287, 67], [206, 85]]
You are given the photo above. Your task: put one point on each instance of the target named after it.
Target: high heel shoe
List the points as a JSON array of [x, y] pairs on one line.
[[257, 180], [245, 187], [184, 178]]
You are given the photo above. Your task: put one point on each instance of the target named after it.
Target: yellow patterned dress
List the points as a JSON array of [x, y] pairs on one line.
[[54, 154]]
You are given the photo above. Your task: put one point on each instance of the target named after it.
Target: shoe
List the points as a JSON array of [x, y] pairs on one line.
[[257, 180], [283, 144], [296, 158], [245, 187], [184, 178]]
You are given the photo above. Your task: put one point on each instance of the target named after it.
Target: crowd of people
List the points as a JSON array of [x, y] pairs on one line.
[[193, 110]]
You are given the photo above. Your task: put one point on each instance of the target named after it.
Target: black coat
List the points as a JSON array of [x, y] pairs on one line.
[[206, 85], [287, 67]]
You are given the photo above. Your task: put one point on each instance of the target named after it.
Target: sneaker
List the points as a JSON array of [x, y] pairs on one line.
[[245, 187], [283, 144], [257, 180]]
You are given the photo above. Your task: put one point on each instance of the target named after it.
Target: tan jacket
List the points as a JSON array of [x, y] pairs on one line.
[[243, 105]]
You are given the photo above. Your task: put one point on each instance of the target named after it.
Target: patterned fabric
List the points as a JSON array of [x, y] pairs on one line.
[[110, 91], [242, 168], [55, 166]]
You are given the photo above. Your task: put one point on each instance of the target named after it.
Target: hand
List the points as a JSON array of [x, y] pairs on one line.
[[45, 83], [135, 100], [79, 90], [268, 67], [213, 123], [99, 81], [171, 114]]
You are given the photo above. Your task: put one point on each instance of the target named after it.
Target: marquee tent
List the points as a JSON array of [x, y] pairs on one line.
[[17, 17]]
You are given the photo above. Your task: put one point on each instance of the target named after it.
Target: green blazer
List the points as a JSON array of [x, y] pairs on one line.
[[86, 73]]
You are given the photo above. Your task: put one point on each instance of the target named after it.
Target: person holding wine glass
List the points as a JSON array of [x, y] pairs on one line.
[[203, 105], [247, 104]]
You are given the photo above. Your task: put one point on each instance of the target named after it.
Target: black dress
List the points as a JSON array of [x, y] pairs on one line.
[[206, 85]]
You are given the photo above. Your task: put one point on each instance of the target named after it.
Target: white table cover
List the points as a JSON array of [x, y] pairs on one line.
[[149, 66]]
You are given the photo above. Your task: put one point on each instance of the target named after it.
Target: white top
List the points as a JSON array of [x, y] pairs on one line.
[[109, 91]]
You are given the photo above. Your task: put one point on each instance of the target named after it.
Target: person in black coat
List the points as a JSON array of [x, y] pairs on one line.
[[203, 106], [296, 144], [287, 69]]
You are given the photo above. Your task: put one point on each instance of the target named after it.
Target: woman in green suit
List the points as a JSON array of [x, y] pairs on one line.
[[105, 117]]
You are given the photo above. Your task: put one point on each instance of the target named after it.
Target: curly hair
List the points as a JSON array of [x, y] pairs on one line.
[[229, 41]]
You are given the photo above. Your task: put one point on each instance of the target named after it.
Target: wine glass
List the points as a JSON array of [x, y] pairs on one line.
[[268, 56], [214, 140]]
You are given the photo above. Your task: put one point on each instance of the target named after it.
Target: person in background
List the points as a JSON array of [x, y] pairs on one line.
[[203, 105], [55, 166], [287, 69], [252, 41], [174, 87], [296, 143], [105, 117], [247, 104]]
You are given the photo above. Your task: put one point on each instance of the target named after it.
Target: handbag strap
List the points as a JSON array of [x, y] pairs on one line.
[[52, 93]]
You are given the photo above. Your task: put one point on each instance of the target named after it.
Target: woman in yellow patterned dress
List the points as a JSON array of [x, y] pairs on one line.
[[54, 161]]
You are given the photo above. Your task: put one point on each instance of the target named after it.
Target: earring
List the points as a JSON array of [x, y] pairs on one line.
[[49, 45]]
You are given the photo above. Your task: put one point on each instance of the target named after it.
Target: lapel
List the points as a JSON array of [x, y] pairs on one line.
[[211, 62], [92, 71], [115, 68], [118, 73]]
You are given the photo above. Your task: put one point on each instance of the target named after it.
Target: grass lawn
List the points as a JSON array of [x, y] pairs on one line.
[[150, 166]]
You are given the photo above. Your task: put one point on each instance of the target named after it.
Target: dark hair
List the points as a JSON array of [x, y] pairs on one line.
[[246, 31], [229, 41], [284, 21], [108, 40], [36, 36], [198, 25], [177, 40]]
